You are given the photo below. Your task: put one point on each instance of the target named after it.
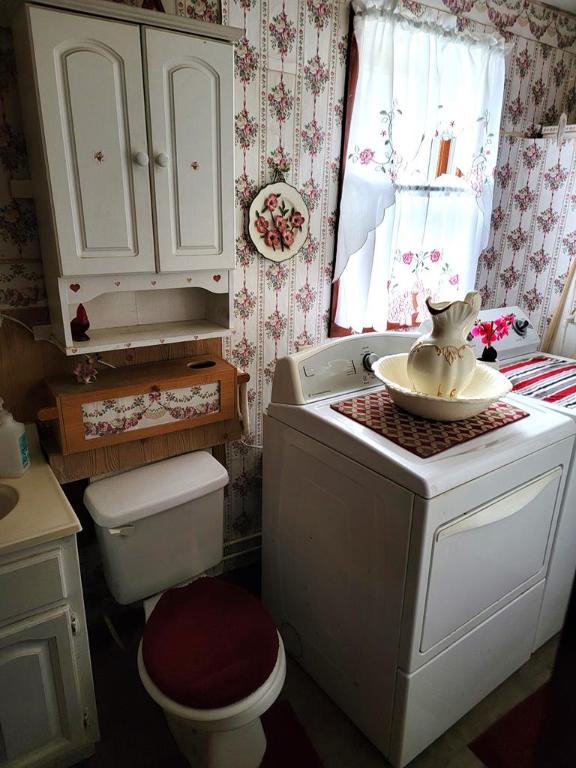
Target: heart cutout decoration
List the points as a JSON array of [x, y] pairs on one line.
[[75, 287], [216, 278], [152, 282], [117, 283]]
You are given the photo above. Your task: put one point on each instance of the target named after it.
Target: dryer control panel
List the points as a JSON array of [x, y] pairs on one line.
[[337, 367]]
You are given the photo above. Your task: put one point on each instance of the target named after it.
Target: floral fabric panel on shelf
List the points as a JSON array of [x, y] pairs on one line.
[[533, 239], [421, 153], [127, 414]]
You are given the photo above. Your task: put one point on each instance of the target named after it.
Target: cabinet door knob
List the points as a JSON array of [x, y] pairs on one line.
[[141, 158], [162, 160]]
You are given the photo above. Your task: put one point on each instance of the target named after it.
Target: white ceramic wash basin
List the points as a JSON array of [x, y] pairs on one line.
[[8, 499]]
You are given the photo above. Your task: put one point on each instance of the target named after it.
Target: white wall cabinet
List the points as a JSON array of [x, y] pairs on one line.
[[129, 118], [91, 100], [47, 706], [190, 103]]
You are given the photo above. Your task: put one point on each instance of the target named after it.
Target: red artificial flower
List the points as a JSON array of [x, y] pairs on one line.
[[297, 220], [288, 238], [493, 330]]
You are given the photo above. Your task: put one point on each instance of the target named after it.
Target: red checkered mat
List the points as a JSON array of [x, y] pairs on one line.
[[420, 436]]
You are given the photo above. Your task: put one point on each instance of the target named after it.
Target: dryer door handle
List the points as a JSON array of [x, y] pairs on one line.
[[499, 510]]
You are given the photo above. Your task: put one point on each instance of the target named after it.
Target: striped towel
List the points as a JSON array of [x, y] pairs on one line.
[[551, 379]]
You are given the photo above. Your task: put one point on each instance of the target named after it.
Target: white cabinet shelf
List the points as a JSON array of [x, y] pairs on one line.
[[130, 133], [128, 336], [136, 311]]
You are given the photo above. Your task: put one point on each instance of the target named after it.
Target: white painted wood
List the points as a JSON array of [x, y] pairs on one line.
[[190, 112], [75, 291], [30, 583], [44, 656], [136, 15], [41, 715], [89, 86], [107, 339]]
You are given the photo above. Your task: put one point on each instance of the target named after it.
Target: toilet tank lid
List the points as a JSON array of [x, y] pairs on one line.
[[139, 493]]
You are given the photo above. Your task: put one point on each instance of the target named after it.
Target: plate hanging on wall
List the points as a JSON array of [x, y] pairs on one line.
[[278, 221]]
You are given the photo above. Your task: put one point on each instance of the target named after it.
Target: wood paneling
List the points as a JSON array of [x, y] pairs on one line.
[[78, 466], [25, 363]]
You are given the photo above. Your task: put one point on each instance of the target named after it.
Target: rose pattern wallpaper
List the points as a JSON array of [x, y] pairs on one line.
[[290, 80], [21, 283], [533, 235], [126, 414]]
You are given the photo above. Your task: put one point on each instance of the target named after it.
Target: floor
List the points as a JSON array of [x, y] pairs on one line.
[[134, 733]]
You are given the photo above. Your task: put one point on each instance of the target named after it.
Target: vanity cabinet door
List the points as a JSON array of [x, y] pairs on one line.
[[41, 715], [190, 102], [90, 91]]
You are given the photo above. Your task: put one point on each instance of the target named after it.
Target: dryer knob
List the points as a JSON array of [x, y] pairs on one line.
[[521, 327], [368, 361]]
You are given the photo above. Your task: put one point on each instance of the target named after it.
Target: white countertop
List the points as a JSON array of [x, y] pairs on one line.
[[43, 512]]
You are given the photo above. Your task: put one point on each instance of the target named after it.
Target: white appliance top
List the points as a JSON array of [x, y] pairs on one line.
[[336, 372], [336, 367]]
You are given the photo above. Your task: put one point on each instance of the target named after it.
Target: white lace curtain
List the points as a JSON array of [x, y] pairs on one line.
[[405, 232]]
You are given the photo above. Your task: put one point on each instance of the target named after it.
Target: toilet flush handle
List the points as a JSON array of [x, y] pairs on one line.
[[125, 530]]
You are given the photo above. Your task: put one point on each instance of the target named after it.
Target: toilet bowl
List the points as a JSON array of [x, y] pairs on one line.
[[210, 655]]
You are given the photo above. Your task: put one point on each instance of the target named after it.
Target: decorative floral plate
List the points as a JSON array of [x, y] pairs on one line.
[[279, 221]]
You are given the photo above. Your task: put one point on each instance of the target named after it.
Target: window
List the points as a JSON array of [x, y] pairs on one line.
[[421, 150]]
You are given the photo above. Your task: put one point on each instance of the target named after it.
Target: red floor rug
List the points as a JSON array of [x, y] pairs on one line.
[[512, 741], [288, 744]]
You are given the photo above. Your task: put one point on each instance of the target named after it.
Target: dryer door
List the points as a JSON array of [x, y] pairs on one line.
[[481, 557]]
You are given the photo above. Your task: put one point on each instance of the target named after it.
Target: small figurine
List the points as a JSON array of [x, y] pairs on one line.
[[86, 371], [80, 324]]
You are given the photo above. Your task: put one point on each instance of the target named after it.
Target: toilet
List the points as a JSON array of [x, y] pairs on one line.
[[210, 655]]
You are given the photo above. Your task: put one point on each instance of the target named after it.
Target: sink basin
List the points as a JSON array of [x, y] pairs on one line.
[[8, 499]]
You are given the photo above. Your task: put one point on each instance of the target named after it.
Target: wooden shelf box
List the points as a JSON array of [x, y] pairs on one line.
[[143, 401]]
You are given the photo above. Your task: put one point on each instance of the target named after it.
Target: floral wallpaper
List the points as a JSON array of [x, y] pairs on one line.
[[290, 76], [21, 283], [533, 236], [290, 72]]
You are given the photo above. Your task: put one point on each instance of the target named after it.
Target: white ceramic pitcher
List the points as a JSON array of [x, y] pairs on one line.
[[442, 362]]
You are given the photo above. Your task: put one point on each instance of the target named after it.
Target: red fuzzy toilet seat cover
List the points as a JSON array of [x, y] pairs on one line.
[[209, 644]]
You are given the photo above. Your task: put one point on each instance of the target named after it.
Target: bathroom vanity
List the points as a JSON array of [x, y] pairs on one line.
[[47, 705]]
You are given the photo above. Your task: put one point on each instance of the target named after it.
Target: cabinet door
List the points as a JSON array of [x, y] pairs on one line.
[[190, 99], [90, 89], [41, 715]]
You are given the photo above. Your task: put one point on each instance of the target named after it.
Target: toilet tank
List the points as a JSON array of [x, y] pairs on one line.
[[159, 525]]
